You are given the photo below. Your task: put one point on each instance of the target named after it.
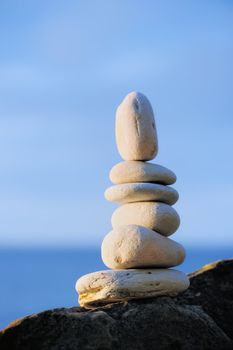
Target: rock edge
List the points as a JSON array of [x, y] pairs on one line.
[[199, 318]]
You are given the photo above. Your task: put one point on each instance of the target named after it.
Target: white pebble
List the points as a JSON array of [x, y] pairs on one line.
[[141, 192], [136, 171], [159, 217], [133, 246], [108, 286], [136, 135]]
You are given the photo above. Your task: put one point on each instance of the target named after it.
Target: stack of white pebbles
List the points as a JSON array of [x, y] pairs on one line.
[[137, 249]]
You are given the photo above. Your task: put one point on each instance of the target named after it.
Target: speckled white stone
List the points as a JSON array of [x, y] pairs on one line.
[[141, 192], [108, 286], [136, 135], [136, 171], [159, 217], [133, 246]]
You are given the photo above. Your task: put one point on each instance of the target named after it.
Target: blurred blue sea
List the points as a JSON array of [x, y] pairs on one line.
[[36, 280]]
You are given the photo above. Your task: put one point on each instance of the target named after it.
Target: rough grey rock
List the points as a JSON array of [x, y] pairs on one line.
[[212, 288], [200, 318]]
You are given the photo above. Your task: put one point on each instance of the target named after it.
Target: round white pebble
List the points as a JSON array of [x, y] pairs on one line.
[[133, 246], [159, 217]]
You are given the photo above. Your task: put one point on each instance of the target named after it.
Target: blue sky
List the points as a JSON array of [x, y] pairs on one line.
[[64, 68]]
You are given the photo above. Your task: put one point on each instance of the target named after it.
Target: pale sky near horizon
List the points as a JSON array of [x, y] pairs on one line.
[[64, 68]]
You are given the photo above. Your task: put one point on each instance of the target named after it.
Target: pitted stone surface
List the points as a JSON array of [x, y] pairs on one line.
[[200, 318], [106, 286]]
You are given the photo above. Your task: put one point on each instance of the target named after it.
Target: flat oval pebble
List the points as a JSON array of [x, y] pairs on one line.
[[141, 192], [136, 135], [133, 246], [107, 286], [159, 217], [136, 171]]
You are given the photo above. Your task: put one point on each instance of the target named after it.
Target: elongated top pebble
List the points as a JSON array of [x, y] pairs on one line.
[[136, 171], [136, 135]]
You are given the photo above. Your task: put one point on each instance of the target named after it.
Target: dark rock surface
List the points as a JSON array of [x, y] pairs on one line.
[[200, 318]]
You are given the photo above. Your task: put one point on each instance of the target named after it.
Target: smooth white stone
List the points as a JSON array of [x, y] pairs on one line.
[[136, 135], [136, 171], [133, 246], [159, 217], [108, 286], [141, 192]]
